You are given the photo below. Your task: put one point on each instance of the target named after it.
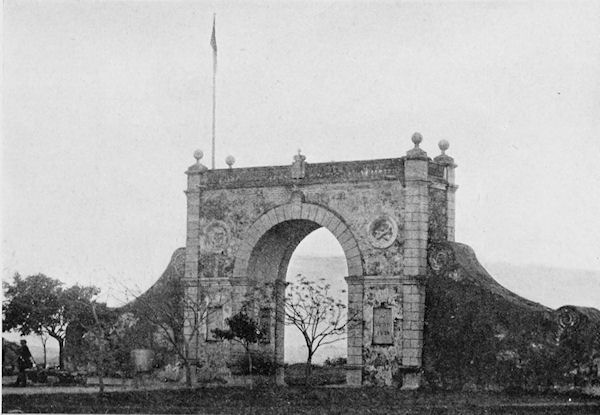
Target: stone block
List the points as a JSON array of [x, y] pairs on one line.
[[352, 253], [311, 211], [355, 341], [296, 210], [416, 205], [415, 170], [417, 244], [355, 350], [412, 316], [410, 353], [355, 267], [416, 325], [412, 298], [337, 226], [416, 344], [354, 377], [329, 220], [411, 381], [271, 218], [345, 237], [413, 334], [287, 212], [320, 216], [304, 211], [413, 262]]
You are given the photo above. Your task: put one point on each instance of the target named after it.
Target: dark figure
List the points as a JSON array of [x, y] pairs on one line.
[[24, 361]]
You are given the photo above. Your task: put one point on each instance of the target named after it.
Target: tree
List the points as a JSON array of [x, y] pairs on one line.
[[39, 304], [320, 318], [244, 330], [170, 309], [99, 323], [44, 339]]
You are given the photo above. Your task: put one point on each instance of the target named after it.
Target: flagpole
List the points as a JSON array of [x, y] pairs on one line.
[[214, 91]]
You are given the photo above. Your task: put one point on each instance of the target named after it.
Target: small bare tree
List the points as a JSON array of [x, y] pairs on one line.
[[178, 317], [320, 317]]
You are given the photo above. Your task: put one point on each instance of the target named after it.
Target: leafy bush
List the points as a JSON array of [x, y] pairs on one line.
[[336, 361]]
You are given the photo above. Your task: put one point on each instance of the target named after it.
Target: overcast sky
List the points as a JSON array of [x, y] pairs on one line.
[[105, 102]]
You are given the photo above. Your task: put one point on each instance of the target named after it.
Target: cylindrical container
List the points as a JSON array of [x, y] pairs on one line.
[[142, 359]]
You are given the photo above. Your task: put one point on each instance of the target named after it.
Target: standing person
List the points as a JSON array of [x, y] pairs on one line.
[[24, 361]]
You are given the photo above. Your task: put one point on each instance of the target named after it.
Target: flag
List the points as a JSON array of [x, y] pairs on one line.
[[213, 38]]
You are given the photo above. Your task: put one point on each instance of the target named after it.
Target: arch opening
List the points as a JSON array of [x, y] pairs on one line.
[[318, 255], [286, 250]]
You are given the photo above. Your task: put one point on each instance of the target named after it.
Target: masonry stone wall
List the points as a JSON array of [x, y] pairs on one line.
[[244, 224]]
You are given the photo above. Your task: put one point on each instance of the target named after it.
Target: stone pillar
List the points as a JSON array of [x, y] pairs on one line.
[[416, 227], [190, 279], [416, 219], [355, 331], [413, 294], [279, 332], [449, 171]]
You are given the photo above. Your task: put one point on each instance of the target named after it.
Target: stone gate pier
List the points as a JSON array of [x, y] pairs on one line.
[[243, 224]]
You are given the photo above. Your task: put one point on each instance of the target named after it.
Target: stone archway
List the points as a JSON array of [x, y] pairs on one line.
[[244, 224]]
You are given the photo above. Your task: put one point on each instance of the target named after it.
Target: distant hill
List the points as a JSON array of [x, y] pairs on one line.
[[552, 287]]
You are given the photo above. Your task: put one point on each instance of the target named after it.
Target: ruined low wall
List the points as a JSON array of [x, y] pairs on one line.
[[479, 335]]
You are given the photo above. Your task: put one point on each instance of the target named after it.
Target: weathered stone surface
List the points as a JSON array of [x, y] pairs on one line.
[[244, 224], [480, 334]]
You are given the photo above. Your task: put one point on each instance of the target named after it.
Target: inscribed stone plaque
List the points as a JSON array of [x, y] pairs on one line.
[[383, 326]]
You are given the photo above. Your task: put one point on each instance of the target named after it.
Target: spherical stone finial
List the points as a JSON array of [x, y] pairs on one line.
[[229, 160], [198, 154], [444, 145], [416, 139]]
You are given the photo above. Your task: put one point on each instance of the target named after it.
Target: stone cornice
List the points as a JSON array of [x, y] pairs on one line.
[[315, 173]]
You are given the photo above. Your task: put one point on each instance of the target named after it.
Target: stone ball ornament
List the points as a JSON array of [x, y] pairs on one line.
[[382, 231], [230, 160], [417, 138], [198, 154], [444, 145]]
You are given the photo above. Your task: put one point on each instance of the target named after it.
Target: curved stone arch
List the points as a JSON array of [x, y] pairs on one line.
[[313, 213]]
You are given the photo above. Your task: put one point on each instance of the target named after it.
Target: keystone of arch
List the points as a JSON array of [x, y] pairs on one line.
[[302, 211]]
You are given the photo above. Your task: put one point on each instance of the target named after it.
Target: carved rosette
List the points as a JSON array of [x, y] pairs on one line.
[[568, 318], [178, 261], [217, 236], [441, 259], [382, 231]]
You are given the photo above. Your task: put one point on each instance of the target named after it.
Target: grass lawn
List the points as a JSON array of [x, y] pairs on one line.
[[300, 400], [321, 375]]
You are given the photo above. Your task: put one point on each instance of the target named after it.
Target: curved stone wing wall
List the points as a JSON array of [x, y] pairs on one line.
[[478, 334]]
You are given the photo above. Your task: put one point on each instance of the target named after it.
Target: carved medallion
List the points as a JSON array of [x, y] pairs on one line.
[[383, 231], [217, 236], [568, 318], [179, 260], [441, 259]]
